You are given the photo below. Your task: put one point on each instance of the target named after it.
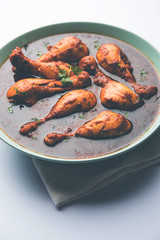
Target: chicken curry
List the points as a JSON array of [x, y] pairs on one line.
[[90, 93]]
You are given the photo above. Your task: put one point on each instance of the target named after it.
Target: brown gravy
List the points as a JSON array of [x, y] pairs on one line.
[[74, 147]]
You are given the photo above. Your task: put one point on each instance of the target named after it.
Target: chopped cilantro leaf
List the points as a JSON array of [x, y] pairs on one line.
[[34, 119], [66, 81], [34, 138], [143, 73], [10, 109], [143, 80], [45, 44], [76, 70], [81, 115], [39, 53], [125, 113], [97, 46], [94, 110], [17, 91], [147, 129], [63, 73]]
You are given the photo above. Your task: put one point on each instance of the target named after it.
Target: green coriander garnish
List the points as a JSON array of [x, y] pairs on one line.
[[76, 70], [143, 73], [10, 109], [118, 64], [66, 81], [45, 44], [143, 80], [147, 128], [96, 46], [34, 138], [125, 113], [63, 73], [35, 119], [17, 91], [49, 65], [39, 53], [94, 110], [81, 115]]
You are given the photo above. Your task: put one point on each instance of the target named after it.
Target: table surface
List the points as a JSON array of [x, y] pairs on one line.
[[127, 209]]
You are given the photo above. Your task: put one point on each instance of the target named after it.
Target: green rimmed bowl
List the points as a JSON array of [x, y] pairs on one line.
[[84, 27]]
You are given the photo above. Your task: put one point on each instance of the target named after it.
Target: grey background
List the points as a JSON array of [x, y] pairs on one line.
[[127, 209]]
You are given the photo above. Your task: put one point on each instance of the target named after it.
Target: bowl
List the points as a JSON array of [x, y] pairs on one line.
[[83, 27]]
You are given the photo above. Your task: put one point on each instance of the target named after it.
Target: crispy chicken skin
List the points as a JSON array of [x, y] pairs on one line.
[[106, 125], [70, 49], [73, 101], [114, 95], [29, 91], [112, 59], [22, 64]]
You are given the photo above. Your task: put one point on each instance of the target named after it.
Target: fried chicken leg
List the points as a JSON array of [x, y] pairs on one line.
[[113, 59], [72, 102], [114, 95], [29, 91], [106, 125], [70, 49], [49, 70]]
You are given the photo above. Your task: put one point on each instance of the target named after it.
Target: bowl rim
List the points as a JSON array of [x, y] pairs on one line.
[[85, 27]]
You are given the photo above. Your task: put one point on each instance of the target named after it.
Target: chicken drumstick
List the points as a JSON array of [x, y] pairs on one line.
[[29, 91], [73, 101], [22, 64], [106, 125], [114, 95], [70, 49], [113, 59]]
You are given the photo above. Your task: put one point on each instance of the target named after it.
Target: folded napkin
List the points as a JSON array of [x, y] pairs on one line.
[[68, 182]]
